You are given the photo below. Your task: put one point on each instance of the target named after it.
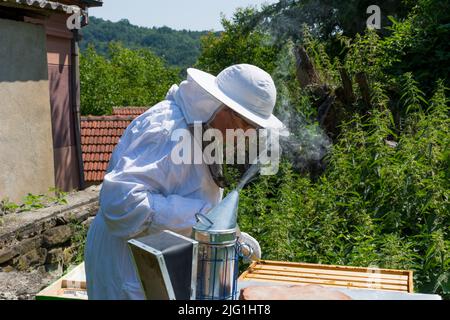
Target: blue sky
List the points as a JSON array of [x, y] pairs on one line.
[[177, 14]]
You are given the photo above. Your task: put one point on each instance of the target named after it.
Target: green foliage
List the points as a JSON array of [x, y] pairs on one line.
[[317, 51], [383, 200], [78, 240], [412, 97], [420, 44], [59, 196], [236, 45], [33, 202], [364, 54], [97, 82], [6, 207], [326, 18], [178, 48], [375, 205], [128, 78]]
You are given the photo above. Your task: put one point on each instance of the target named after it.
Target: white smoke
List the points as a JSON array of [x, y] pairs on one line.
[[307, 143]]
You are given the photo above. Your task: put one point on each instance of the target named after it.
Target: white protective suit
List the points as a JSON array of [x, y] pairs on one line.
[[144, 188]]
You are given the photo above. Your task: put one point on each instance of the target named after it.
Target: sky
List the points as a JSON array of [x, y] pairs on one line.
[[176, 14]]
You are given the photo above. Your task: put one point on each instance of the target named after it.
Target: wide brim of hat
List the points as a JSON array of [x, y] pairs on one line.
[[209, 83]]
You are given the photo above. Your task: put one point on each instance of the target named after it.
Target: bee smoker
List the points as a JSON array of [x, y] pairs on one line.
[[218, 251]]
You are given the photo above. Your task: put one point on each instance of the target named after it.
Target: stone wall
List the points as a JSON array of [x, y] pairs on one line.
[[47, 240]]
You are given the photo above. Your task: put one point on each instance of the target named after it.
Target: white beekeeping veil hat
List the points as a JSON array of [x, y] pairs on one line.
[[246, 89]]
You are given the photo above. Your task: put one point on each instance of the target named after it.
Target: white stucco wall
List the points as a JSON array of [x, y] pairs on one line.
[[26, 146]]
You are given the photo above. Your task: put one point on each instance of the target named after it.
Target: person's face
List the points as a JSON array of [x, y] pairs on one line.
[[226, 118]]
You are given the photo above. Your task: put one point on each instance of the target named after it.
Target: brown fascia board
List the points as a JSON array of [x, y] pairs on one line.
[[92, 3], [83, 3]]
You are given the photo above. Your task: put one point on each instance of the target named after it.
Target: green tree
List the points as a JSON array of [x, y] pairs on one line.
[[128, 78], [236, 45], [97, 84], [326, 18], [420, 44], [179, 48]]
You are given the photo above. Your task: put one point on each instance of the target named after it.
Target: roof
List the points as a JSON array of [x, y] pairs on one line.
[[99, 136], [129, 111], [92, 3], [64, 6]]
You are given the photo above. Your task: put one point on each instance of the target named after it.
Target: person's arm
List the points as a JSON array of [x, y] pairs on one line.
[[129, 208]]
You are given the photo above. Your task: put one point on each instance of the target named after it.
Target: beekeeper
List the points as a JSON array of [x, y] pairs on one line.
[[144, 190]]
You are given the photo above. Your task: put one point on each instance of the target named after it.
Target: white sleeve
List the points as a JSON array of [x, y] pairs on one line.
[[131, 207]]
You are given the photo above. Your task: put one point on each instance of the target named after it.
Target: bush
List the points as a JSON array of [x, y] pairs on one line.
[[376, 205]]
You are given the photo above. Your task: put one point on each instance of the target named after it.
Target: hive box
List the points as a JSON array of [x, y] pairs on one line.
[[72, 286]]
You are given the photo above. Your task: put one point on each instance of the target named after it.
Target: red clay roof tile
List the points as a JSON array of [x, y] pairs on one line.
[[129, 111], [99, 136]]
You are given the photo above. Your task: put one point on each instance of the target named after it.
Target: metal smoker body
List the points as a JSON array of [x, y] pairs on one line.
[[218, 253]]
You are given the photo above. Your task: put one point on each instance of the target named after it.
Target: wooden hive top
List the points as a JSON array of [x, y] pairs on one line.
[[330, 275]]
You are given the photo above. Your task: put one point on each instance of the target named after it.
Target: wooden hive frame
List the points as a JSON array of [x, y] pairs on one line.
[[330, 275]]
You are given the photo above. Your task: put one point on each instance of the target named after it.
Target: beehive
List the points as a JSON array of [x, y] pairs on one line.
[[330, 275], [72, 286]]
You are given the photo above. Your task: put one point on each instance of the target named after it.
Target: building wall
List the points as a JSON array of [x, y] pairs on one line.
[[26, 140], [63, 119]]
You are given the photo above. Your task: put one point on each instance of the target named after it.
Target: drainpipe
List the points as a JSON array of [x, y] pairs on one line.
[[75, 84]]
